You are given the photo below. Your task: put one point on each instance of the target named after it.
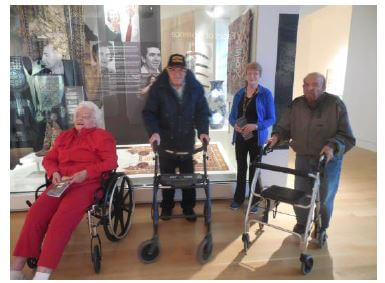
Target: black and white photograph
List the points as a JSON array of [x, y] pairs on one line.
[[151, 58]]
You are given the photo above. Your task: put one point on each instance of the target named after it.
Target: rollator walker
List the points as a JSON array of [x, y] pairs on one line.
[[149, 250], [113, 208], [271, 196]]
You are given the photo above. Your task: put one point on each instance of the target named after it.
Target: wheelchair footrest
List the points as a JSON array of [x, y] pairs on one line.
[[181, 180], [282, 194]]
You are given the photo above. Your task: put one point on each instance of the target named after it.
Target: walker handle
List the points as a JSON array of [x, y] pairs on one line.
[[155, 146], [321, 163], [267, 149], [205, 144], [203, 148]]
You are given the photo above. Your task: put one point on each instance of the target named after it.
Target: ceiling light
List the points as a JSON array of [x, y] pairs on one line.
[[216, 12]]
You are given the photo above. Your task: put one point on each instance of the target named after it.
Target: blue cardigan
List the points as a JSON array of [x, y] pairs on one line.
[[265, 112]]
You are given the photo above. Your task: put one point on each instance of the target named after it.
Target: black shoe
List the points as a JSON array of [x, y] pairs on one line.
[[190, 214], [166, 213], [299, 228]]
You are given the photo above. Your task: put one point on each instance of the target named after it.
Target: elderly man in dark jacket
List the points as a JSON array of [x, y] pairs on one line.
[[175, 107], [316, 123]]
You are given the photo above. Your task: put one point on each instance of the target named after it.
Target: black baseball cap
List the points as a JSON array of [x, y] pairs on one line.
[[176, 60]]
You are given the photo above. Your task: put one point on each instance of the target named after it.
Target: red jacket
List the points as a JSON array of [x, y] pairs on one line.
[[92, 149]]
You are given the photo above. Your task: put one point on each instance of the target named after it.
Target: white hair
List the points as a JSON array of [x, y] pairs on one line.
[[96, 112]]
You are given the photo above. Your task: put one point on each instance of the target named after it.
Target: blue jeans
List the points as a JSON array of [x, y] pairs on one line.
[[328, 187]]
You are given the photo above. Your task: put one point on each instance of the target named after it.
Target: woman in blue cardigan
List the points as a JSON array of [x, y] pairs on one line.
[[252, 113]]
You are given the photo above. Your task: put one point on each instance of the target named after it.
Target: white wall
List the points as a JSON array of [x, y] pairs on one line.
[[360, 94], [322, 45]]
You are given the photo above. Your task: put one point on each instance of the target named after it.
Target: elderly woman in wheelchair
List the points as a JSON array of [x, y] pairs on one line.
[[75, 167]]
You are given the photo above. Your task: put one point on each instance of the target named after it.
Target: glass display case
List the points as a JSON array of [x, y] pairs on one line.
[[61, 55]]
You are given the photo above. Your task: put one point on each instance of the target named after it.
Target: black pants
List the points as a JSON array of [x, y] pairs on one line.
[[242, 150], [168, 166]]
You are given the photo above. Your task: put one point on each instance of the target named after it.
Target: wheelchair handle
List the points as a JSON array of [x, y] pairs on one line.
[[28, 203]]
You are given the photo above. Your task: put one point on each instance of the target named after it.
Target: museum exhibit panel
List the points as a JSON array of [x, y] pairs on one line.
[[62, 55]]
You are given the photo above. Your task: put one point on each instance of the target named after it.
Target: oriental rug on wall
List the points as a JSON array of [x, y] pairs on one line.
[[238, 54]]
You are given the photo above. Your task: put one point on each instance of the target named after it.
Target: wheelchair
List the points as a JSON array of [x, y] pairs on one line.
[[114, 211], [270, 197], [149, 250]]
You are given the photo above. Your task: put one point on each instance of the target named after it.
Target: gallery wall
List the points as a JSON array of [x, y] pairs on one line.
[[322, 44], [340, 42], [360, 93]]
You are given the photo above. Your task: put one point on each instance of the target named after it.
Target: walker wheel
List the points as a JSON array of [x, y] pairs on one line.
[[32, 262], [306, 263], [149, 251], [246, 241], [322, 237], [96, 258], [205, 249]]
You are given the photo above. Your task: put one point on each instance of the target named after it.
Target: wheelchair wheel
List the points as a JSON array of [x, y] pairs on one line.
[[149, 251], [205, 249], [118, 208], [306, 263], [32, 262], [96, 258], [246, 241]]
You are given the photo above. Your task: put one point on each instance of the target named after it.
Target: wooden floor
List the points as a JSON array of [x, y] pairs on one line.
[[351, 251]]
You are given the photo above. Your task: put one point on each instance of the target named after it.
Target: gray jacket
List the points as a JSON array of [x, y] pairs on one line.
[[309, 128]]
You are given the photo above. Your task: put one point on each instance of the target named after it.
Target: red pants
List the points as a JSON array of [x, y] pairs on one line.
[[53, 220]]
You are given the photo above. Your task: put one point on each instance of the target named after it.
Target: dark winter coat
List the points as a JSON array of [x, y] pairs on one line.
[[173, 119]]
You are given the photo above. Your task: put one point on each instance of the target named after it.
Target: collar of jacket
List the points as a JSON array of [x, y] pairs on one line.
[[83, 131], [242, 91], [190, 81], [317, 103]]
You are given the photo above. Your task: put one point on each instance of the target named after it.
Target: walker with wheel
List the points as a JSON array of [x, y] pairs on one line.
[[149, 250]]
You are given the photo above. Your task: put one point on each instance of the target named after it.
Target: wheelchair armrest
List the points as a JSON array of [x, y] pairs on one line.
[[39, 190], [48, 182]]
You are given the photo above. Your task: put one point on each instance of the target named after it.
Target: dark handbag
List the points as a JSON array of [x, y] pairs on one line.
[[241, 122]]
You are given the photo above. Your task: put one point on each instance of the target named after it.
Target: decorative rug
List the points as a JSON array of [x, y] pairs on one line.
[[139, 159]]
